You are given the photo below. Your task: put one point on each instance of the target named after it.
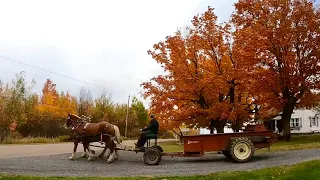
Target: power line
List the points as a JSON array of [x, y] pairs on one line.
[[58, 74]]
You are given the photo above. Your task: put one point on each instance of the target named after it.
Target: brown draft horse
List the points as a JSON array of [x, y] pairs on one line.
[[85, 132]]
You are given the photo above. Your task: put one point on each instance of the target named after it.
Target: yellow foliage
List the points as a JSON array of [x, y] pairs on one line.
[[54, 104]]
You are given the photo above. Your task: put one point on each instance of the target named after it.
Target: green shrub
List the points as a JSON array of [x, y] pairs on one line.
[[64, 138]]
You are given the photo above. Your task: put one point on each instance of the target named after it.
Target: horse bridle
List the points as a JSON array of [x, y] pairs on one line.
[[76, 126]]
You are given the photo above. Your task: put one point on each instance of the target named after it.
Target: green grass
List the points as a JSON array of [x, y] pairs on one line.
[[306, 171], [171, 146], [35, 140], [296, 143]]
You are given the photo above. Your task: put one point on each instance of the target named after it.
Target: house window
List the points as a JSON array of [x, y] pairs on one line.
[[313, 121], [294, 122]]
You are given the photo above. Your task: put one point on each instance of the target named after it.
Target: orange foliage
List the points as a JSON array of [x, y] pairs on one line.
[[202, 75], [279, 43], [54, 104], [67, 104]]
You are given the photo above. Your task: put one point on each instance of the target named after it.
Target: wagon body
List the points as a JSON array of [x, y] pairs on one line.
[[196, 145], [238, 146]]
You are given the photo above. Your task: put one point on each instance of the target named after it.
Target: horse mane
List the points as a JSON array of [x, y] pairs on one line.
[[74, 115]]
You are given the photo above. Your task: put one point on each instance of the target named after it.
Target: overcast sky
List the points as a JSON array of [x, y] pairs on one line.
[[102, 42]]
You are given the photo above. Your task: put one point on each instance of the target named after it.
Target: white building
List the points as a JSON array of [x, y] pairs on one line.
[[207, 131], [302, 121]]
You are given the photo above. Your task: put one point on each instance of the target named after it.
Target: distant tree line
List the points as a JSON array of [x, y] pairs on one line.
[[25, 113]]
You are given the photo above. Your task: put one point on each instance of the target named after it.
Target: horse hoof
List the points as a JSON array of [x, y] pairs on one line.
[[109, 161], [71, 158], [90, 159], [84, 155]]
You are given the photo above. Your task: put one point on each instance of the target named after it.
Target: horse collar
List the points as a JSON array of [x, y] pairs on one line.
[[86, 125], [75, 128]]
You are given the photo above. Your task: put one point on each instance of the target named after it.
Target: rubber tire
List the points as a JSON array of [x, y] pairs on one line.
[[226, 154], [158, 147], [245, 141], [148, 153]]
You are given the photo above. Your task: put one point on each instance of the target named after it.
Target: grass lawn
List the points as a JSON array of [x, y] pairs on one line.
[[306, 171], [296, 143], [35, 140]]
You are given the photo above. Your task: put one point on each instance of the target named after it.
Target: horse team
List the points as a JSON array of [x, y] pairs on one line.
[[87, 132]]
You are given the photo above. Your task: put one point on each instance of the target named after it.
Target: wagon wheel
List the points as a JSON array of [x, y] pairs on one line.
[[158, 147], [152, 156], [241, 149]]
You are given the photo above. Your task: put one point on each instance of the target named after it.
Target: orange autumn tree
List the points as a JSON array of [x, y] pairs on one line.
[[54, 105], [202, 76], [67, 104], [280, 41], [49, 100]]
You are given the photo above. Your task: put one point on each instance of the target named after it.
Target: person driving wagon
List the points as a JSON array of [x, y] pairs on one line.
[[149, 132]]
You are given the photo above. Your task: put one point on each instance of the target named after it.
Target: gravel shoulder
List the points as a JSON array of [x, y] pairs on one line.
[[131, 164]]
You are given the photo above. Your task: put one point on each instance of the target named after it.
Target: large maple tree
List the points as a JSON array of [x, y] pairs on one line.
[[202, 76], [280, 42]]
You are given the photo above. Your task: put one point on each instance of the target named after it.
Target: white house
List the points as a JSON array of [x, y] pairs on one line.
[[207, 131], [302, 121]]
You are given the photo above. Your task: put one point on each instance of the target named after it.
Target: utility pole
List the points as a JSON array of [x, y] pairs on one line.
[[125, 134]]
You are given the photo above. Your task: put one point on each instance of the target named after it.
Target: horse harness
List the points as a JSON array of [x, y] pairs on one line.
[[81, 136]]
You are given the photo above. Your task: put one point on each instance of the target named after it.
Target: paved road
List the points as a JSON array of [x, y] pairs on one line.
[[18, 150], [131, 164]]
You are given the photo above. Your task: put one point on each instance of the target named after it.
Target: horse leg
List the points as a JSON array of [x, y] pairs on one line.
[[105, 148], [111, 147], [87, 147], [116, 141], [116, 153], [75, 146], [84, 154], [104, 151]]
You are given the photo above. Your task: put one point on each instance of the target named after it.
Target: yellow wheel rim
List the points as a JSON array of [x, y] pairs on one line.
[[242, 150]]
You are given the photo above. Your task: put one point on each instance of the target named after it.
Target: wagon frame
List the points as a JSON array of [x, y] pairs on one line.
[[237, 146]]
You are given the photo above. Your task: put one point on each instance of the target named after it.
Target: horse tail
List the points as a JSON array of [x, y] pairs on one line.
[[117, 134]]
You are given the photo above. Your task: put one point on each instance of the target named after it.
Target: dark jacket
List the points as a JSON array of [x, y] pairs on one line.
[[153, 126]]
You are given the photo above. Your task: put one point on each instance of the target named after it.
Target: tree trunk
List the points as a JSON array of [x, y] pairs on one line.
[[237, 126], [211, 126], [218, 124], [286, 116], [286, 129]]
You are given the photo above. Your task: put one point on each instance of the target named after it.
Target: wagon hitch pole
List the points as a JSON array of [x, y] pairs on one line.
[[175, 132], [180, 135]]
